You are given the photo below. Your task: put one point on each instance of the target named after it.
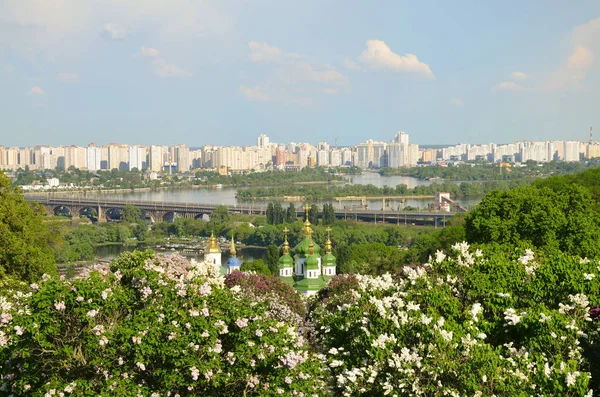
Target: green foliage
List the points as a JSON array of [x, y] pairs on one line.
[[140, 330], [306, 175], [472, 172], [272, 259], [474, 324], [131, 214], [257, 266], [313, 214], [275, 213], [329, 192], [25, 240], [562, 219], [290, 215], [328, 214], [220, 215]]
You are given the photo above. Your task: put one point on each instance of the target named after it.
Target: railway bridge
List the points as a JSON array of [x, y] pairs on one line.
[[104, 210]]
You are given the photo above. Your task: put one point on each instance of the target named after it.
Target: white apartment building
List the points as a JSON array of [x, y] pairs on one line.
[[370, 154], [262, 141], [323, 158], [335, 158], [93, 158], [137, 158], [571, 151]]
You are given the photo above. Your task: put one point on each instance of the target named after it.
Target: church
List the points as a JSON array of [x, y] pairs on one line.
[[308, 271]]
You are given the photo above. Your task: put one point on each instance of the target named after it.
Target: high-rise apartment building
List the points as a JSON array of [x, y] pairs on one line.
[[370, 154], [335, 158], [262, 141], [93, 157], [181, 156], [137, 158], [156, 158], [571, 151]]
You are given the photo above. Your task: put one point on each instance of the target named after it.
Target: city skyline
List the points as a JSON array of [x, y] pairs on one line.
[[175, 71]]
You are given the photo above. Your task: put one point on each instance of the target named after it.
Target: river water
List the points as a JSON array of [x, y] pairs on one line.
[[227, 195]]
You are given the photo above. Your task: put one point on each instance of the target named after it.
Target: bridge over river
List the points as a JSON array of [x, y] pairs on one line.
[[105, 210]]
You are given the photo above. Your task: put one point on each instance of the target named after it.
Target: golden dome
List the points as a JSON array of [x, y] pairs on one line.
[[232, 251], [213, 248]]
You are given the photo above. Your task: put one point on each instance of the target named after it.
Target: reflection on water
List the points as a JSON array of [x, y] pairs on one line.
[[227, 195]]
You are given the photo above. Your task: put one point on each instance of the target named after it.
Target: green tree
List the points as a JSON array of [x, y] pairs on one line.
[[270, 214], [258, 266], [131, 214], [25, 240], [290, 216], [140, 231], [220, 215], [273, 258], [313, 214]]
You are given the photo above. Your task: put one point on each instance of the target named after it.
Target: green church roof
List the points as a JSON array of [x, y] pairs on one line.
[[328, 259], [302, 247], [310, 284], [286, 261], [312, 263]]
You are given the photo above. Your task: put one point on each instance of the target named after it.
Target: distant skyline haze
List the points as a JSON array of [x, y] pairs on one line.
[[223, 72]]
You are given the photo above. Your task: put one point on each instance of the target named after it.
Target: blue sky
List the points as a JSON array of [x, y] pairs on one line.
[[224, 71]]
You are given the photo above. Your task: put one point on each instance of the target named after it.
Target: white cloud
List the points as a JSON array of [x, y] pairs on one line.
[[379, 55], [115, 31], [149, 52], [457, 102], [164, 69], [160, 66], [585, 42], [351, 65], [36, 91], [581, 58], [263, 52], [290, 79], [68, 77], [508, 86], [254, 94], [63, 29], [326, 75], [518, 75]]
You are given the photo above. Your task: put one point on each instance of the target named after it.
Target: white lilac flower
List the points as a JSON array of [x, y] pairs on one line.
[[59, 305], [544, 318], [588, 276], [512, 317], [195, 373], [140, 366], [529, 256], [242, 322], [580, 300], [103, 341], [475, 310], [446, 335], [439, 256], [571, 378], [18, 330], [92, 313]]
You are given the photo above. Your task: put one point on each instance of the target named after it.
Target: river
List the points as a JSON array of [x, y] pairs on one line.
[[227, 195]]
